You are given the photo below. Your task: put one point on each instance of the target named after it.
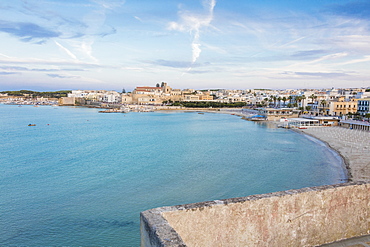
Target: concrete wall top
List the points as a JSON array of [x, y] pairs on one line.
[[303, 217]]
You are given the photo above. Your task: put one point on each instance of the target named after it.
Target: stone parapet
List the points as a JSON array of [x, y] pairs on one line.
[[304, 217]]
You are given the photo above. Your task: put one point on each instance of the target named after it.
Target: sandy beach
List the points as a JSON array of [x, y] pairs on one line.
[[352, 145]]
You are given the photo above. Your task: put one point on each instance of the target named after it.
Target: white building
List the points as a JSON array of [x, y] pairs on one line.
[[363, 106]]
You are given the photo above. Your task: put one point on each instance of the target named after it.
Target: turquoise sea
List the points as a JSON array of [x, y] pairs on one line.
[[81, 178]]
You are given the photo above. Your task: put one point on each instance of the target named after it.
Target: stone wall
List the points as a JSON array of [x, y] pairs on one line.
[[304, 217], [67, 101]]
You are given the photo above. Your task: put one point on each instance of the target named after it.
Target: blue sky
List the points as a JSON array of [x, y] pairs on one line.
[[115, 44]]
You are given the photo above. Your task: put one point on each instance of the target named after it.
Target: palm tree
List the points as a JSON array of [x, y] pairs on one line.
[[312, 96], [303, 98], [323, 103], [290, 99], [279, 100], [265, 102], [284, 99], [298, 100], [274, 99]]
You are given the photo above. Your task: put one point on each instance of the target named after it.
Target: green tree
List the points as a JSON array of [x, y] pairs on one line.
[[303, 98], [367, 115], [312, 97], [323, 103], [284, 99], [270, 101], [290, 99], [357, 115], [298, 99], [279, 101], [33, 94], [273, 98]]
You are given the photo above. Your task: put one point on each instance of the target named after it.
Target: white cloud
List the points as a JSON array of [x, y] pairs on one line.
[[357, 43], [95, 25], [194, 23], [110, 4], [138, 18], [359, 60], [292, 42], [3, 55], [66, 50], [330, 57]]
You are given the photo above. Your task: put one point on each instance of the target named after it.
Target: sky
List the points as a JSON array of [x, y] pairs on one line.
[[48, 45]]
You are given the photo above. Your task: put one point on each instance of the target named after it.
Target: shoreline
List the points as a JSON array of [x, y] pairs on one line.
[[353, 146], [345, 163]]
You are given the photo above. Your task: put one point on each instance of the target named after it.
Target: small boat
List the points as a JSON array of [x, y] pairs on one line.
[[32, 125]]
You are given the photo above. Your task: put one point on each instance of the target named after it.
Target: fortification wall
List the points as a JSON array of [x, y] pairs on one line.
[[305, 217]]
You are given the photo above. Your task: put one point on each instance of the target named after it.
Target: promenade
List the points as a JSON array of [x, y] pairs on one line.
[[353, 145]]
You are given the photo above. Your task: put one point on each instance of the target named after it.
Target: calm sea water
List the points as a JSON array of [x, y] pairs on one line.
[[81, 178]]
